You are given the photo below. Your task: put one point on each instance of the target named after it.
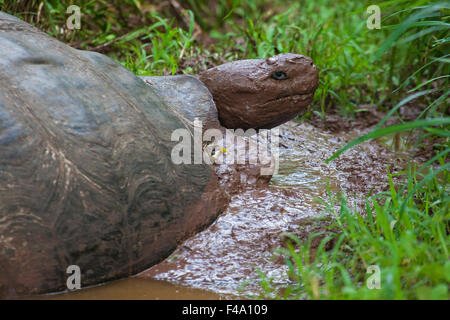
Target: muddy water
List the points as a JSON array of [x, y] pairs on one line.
[[222, 261], [224, 258], [138, 289]]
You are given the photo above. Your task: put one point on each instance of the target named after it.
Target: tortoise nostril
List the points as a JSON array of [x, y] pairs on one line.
[[271, 60]]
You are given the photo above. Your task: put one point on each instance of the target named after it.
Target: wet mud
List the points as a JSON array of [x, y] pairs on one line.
[[226, 257], [137, 289], [223, 261]]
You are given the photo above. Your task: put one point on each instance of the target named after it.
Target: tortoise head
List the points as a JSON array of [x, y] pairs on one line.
[[262, 93]]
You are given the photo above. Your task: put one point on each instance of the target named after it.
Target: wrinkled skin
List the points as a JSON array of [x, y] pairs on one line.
[[248, 94]]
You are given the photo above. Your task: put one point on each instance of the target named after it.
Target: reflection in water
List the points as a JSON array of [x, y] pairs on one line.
[[223, 259]]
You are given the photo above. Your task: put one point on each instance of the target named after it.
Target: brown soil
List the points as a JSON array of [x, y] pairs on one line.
[[367, 120], [254, 225]]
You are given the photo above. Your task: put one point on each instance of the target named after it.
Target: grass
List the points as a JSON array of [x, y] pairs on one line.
[[405, 232], [409, 245], [148, 38], [156, 43]]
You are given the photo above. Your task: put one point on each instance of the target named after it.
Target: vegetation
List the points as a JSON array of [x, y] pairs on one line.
[[405, 231]]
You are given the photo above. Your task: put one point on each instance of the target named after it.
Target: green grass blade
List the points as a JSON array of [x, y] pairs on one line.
[[389, 130]]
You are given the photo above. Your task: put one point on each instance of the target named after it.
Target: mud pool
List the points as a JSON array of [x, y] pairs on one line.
[[221, 262]]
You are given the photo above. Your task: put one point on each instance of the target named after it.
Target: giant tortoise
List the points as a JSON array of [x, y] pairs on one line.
[[86, 176]]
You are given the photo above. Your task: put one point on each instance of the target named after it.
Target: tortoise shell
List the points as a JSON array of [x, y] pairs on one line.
[[86, 176]]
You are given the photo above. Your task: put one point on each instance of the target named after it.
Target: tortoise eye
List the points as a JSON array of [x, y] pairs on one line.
[[279, 75]]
